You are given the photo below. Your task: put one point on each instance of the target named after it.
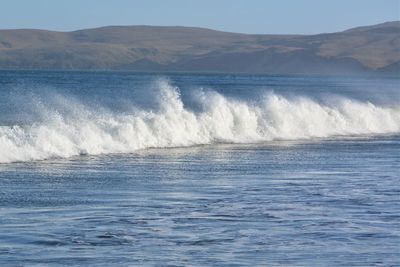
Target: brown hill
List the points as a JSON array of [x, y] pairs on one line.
[[370, 49]]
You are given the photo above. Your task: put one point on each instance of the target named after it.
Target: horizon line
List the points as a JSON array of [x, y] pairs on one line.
[[193, 27]]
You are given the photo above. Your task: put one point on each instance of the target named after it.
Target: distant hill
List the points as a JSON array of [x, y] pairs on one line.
[[370, 49]]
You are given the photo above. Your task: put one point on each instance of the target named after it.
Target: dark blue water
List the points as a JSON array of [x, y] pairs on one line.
[[107, 169]]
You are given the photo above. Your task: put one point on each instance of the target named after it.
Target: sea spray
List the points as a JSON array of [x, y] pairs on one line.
[[71, 128]]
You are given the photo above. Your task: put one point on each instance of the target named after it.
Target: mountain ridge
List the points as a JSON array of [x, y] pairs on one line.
[[366, 49]]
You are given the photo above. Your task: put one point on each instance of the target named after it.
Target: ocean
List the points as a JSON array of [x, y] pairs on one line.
[[145, 169]]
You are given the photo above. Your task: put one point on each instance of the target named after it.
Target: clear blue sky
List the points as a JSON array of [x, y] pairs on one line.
[[248, 16]]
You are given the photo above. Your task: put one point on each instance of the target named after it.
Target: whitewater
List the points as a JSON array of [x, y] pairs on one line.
[[68, 127], [133, 169]]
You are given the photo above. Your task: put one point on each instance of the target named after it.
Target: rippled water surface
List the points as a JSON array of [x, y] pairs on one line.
[[312, 201]]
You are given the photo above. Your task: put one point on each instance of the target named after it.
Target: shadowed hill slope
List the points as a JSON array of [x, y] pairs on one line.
[[370, 49]]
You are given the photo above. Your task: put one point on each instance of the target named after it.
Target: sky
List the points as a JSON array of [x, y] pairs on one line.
[[246, 16]]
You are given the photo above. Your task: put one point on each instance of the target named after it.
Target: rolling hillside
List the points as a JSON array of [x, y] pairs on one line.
[[370, 49]]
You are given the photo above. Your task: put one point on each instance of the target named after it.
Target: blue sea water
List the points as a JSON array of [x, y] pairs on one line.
[[136, 169]]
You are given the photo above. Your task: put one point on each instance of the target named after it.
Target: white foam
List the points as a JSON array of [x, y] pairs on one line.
[[86, 131]]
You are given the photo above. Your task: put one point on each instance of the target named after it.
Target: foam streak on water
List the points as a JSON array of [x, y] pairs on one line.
[[76, 129], [317, 186]]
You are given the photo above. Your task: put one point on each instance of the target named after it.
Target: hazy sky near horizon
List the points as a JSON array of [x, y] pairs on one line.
[[247, 16]]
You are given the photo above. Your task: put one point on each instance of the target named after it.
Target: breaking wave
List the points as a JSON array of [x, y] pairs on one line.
[[84, 130]]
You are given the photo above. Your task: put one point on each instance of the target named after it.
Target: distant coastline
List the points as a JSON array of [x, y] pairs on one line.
[[371, 50]]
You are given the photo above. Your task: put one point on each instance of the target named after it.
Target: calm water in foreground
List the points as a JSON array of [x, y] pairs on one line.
[[119, 169]]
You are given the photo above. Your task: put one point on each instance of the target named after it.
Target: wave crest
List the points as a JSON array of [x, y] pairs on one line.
[[80, 130]]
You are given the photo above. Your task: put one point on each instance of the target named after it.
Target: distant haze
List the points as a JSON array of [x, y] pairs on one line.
[[244, 16], [371, 49]]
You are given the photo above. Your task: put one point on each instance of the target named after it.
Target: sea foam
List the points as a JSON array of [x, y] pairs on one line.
[[84, 130]]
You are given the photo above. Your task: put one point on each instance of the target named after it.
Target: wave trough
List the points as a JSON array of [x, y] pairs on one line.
[[84, 130]]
